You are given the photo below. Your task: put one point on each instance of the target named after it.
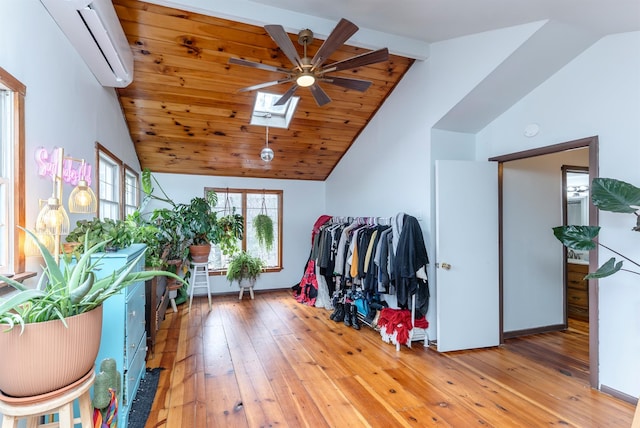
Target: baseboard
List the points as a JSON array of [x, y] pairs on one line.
[[618, 394], [537, 330]]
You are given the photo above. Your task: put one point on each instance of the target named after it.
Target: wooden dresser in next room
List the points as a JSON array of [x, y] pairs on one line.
[[577, 291]]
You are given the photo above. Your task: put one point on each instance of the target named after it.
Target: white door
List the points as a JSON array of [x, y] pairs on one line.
[[467, 295]]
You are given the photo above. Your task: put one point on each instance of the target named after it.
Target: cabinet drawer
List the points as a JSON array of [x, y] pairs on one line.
[[135, 322], [577, 298], [134, 373], [578, 312], [139, 268], [575, 276]]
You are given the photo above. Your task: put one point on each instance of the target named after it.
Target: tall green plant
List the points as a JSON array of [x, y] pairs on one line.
[[66, 291], [607, 194]]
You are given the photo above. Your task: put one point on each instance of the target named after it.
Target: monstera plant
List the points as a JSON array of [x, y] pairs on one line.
[[607, 194]]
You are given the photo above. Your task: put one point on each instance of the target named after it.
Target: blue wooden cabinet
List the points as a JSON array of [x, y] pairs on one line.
[[123, 327]]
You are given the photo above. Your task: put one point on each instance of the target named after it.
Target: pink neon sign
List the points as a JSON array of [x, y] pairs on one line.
[[72, 170]]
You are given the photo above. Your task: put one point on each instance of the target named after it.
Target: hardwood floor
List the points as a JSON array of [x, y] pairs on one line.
[[274, 362]]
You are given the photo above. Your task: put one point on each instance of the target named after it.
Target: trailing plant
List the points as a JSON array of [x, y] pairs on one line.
[[147, 233], [70, 290], [231, 231], [118, 233], [147, 188], [171, 240], [244, 266], [263, 226], [607, 194]]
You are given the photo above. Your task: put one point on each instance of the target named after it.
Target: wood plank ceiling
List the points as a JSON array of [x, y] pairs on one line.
[[185, 114]]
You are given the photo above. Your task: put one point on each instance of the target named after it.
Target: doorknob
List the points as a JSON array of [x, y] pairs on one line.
[[445, 266]]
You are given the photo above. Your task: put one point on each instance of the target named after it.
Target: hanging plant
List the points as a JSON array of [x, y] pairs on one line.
[[231, 228], [263, 226]]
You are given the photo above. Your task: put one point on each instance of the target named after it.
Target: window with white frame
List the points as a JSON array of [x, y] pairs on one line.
[[250, 203], [12, 174], [109, 186], [131, 191]]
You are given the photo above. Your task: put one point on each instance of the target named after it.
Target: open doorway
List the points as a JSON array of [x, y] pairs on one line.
[[518, 267]]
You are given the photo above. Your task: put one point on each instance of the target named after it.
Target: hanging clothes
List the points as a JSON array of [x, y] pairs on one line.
[[411, 257]]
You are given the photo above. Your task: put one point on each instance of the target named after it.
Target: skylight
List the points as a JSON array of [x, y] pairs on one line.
[[265, 113]]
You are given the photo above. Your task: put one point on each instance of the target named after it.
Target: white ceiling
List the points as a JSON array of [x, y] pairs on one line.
[[408, 26]]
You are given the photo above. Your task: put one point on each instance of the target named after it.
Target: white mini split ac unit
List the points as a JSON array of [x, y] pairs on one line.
[[93, 28]]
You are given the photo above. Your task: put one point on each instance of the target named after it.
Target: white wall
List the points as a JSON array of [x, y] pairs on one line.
[[596, 94], [532, 257], [65, 105], [303, 203], [389, 169]]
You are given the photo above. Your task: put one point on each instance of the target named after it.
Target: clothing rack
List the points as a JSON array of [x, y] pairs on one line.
[[416, 333]]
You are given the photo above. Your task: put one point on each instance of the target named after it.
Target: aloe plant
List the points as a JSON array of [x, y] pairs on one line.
[[607, 194], [66, 291]]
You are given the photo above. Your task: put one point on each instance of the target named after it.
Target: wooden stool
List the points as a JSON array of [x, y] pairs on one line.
[[61, 404], [199, 279]]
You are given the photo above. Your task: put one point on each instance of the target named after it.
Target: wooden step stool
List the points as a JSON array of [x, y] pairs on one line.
[[62, 404]]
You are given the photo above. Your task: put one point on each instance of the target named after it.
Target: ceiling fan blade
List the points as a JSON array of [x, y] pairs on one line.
[[264, 85], [244, 62], [285, 44], [319, 95], [338, 36], [355, 84], [358, 61], [285, 97]]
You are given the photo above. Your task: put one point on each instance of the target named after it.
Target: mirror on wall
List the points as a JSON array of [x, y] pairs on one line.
[[577, 205]]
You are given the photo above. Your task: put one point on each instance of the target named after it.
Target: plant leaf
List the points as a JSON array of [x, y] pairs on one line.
[[147, 187], [613, 195], [609, 268], [577, 237], [53, 270]]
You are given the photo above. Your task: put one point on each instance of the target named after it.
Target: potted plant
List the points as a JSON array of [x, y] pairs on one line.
[[200, 225], [51, 333], [607, 194], [231, 231], [117, 233], [263, 226], [244, 267]]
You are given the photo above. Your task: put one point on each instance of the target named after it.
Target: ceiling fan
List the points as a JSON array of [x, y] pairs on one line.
[[307, 72]]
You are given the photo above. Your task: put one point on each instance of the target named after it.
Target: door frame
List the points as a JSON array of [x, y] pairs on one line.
[[592, 144]]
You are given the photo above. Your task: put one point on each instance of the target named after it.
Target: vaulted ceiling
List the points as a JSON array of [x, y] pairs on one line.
[[185, 114]]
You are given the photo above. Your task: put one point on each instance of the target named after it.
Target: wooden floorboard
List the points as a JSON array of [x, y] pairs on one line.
[[274, 362]]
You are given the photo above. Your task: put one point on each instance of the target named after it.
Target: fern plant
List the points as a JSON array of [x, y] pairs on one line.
[[263, 226]]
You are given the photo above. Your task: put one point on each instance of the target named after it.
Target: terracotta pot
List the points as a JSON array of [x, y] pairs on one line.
[[69, 247], [200, 253], [48, 356]]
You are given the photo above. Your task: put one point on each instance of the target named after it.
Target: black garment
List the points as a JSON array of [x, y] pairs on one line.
[[411, 255]]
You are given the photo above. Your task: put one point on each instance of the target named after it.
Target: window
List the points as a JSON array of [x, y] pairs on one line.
[[108, 186], [12, 174], [131, 191], [266, 113], [118, 186], [250, 203]]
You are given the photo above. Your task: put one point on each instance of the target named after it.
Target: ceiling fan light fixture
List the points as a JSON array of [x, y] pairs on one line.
[[305, 80]]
